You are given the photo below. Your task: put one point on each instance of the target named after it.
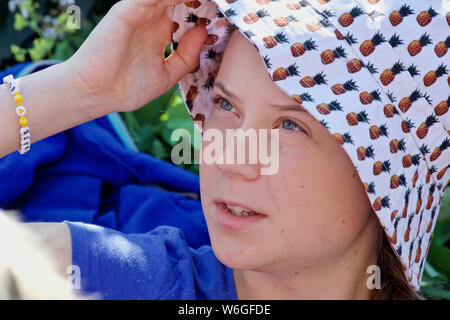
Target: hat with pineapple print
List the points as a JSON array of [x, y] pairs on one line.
[[375, 73]]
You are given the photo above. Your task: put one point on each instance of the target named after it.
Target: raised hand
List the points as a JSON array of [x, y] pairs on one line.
[[122, 61]]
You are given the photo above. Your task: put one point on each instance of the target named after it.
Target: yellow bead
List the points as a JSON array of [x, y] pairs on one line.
[[23, 121], [17, 93], [18, 98]]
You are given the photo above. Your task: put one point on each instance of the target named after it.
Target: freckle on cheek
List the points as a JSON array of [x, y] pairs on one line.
[[282, 230], [343, 221], [296, 272], [356, 252]]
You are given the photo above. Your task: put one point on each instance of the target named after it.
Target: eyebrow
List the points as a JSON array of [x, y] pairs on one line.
[[227, 92], [291, 107]]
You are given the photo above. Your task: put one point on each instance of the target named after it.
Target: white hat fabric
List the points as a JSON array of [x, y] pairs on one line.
[[375, 73]]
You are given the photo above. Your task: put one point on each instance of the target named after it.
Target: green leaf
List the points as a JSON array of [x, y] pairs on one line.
[[144, 139], [35, 54], [63, 51], [436, 293], [16, 49], [439, 258], [159, 150], [439, 254], [45, 44], [62, 18], [131, 121], [164, 117], [19, 22], [151, 112], [432, 273], [34, 25], [444, 212], [178, 110], [28, 5], [19, 57]]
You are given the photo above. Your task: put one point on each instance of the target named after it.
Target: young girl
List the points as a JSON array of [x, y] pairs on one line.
[[333, 211]]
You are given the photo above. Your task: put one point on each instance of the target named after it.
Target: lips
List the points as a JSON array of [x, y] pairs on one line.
[[226, 219], [229, 203]]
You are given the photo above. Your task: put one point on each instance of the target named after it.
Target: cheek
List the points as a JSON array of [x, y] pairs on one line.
[[207, 184], [321, 199]]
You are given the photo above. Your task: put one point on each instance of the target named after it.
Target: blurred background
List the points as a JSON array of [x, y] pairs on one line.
[[36, 30]]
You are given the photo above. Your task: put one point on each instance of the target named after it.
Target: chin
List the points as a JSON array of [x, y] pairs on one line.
[[234, 256]]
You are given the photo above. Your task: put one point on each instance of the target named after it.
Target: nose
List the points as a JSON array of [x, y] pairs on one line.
[[246, 171], [242, 160]]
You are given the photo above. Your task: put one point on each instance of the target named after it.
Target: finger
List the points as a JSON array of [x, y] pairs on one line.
[[158, 2], [136, 11], [187, 55]]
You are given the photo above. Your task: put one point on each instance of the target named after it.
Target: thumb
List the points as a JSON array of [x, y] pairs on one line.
[[187, 55]]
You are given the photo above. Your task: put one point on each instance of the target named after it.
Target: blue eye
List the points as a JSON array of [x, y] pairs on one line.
[[220, 101], [225, 105], [292, 125]]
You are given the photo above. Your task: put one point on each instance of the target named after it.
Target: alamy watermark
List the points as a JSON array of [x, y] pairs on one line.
[[258, 151], [74, 19], [374, 280], [74, 279]]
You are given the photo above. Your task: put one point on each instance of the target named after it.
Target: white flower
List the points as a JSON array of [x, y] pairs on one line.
[[50, 33], [66, 3], [12, 5], [25, 13]]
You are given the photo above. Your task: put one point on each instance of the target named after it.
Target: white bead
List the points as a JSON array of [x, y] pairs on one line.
[[25, 140], [15, 89], [11, 83], [21, 109], [24, 149], [8, 80], [25, 130]]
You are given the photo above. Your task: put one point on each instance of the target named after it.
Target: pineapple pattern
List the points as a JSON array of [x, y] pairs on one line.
[[374, 73]]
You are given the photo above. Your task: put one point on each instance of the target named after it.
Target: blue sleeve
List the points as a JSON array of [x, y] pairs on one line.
[[155, 265]]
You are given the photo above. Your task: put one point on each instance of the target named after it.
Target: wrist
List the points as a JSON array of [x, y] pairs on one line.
[[82, 97]]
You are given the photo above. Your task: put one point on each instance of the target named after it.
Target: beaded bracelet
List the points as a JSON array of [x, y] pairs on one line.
[[25, 136]]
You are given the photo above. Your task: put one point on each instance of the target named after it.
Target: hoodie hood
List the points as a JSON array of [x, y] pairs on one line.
[[374, 73]]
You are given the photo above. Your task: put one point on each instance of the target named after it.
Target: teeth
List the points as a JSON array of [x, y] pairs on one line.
[[239, 211]]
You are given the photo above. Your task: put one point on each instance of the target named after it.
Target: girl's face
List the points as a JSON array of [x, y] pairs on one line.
[[315, 206]]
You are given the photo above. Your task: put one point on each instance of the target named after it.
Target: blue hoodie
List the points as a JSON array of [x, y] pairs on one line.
[[155, 265]]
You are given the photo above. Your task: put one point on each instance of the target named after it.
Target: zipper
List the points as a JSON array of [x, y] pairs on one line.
[[120, 128]]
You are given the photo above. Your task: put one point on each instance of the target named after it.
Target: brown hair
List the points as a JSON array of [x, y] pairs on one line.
[[394, 285]]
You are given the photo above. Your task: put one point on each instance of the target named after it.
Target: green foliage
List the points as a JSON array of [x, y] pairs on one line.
[[41, 48], [53, 38], [20, 22], [151, 126], [19, 53], [66, 47], [436, 276]]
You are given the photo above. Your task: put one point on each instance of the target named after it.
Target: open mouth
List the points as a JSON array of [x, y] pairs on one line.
[[236, 217], [238, 211]]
